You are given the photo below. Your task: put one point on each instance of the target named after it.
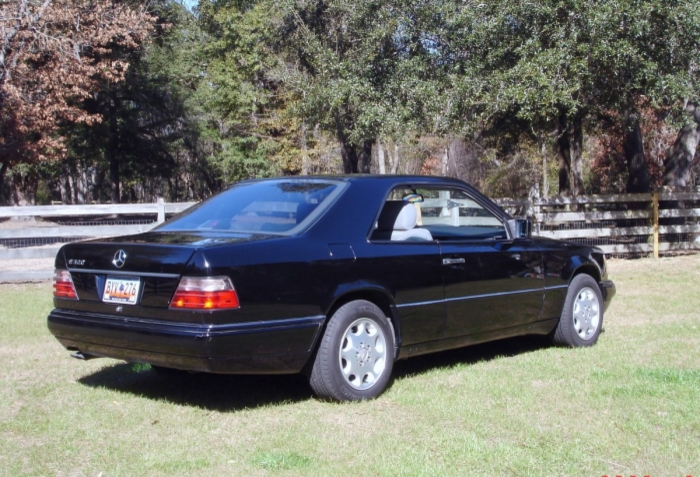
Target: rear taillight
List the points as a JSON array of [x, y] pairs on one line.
[[63, 285], [205, 293]]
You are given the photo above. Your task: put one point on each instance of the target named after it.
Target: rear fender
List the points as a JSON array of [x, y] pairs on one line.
[[365, 291]]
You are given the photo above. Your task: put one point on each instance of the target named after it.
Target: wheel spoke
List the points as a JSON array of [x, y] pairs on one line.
[[350, 343], [366, 330], [379, 345], [379, 365]]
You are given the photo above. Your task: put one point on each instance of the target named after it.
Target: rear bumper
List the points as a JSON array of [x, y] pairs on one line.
[[265, 347], [607, 288]]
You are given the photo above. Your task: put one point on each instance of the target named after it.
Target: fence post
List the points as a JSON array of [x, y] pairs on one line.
[[527, 212], [655, 207], [535, 212], [161, 210]]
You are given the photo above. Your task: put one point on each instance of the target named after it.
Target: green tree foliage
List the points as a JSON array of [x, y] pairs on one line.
[[246, 124], [247, 88], [559, 65], [359, 69]]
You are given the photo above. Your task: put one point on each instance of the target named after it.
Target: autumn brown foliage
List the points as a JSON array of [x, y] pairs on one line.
[[53, 54], [608, 162]]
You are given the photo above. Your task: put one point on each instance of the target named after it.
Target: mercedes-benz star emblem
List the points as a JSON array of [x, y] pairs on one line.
[[119, 258]]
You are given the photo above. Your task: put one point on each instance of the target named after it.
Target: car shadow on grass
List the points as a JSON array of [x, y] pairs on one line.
[[230, 393], [470, 355], [215, 392]]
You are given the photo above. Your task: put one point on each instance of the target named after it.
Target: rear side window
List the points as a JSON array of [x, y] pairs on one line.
[[282, 207]]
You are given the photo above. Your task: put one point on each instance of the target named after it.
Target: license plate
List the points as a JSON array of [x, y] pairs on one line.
[[121, 290]]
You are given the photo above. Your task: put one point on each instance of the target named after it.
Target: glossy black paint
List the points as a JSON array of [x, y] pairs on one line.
[[439, 295], [497, 278]]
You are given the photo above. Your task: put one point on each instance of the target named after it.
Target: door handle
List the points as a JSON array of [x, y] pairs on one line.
[[452, 261]]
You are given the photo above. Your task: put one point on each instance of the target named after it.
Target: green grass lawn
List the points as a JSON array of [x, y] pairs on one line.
[[628, 406]]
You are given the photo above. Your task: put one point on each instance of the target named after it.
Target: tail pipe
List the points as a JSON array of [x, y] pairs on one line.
[[84, 357]]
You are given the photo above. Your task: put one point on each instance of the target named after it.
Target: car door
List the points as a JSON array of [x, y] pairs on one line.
[[406, 261], [491, 281], [412, 272]]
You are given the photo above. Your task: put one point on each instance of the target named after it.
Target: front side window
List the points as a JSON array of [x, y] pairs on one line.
[[450, 214], [443, 214], [282, 207]]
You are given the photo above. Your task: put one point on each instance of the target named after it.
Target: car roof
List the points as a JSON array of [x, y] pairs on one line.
[[372, 190], [367, 177], [380, 180], [389, 181]]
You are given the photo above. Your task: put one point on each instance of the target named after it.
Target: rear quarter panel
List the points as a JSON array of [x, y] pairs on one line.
[[297, 276]]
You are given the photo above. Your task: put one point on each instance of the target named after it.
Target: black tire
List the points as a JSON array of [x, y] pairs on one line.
[[358, 330], [582, 317]]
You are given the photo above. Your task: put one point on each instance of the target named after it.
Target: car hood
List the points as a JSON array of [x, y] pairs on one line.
[[553, 244]]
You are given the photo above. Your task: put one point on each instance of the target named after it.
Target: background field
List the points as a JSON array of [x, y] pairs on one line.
[[628, 406]]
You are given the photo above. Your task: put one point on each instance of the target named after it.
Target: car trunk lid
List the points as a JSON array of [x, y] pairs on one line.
[[131, 274]]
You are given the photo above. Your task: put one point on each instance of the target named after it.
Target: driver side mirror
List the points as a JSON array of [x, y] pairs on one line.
[[520, 228]]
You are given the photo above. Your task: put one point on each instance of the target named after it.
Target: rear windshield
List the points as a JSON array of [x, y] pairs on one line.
[[282, 207]]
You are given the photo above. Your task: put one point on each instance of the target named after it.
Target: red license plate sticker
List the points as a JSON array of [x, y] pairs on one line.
[[121, 290]]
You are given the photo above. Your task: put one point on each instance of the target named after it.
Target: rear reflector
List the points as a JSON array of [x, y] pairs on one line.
[[205, 293], [63, 285]]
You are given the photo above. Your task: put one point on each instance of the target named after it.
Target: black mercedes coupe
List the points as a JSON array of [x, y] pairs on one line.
[[333, 276]]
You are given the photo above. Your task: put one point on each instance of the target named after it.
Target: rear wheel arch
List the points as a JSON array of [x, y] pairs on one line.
[[379, 298], [374, 296]]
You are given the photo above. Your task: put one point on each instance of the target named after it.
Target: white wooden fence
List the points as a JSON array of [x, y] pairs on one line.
[[35, 231], [622, 225]]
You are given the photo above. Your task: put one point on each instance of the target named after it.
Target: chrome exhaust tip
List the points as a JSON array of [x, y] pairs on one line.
[[83, 357]]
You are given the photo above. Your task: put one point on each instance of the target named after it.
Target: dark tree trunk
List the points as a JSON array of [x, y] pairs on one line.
[[23, 188], [679, 160], [564, 156], [113, 153], [577, 155], [114, 192], [4, 190], [352, 161], [365, 158], [633, 145], [349, 155], [347, 150]]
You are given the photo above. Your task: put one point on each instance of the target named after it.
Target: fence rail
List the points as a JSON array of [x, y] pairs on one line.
[[59, 224], [622, 225], [160, 209]]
